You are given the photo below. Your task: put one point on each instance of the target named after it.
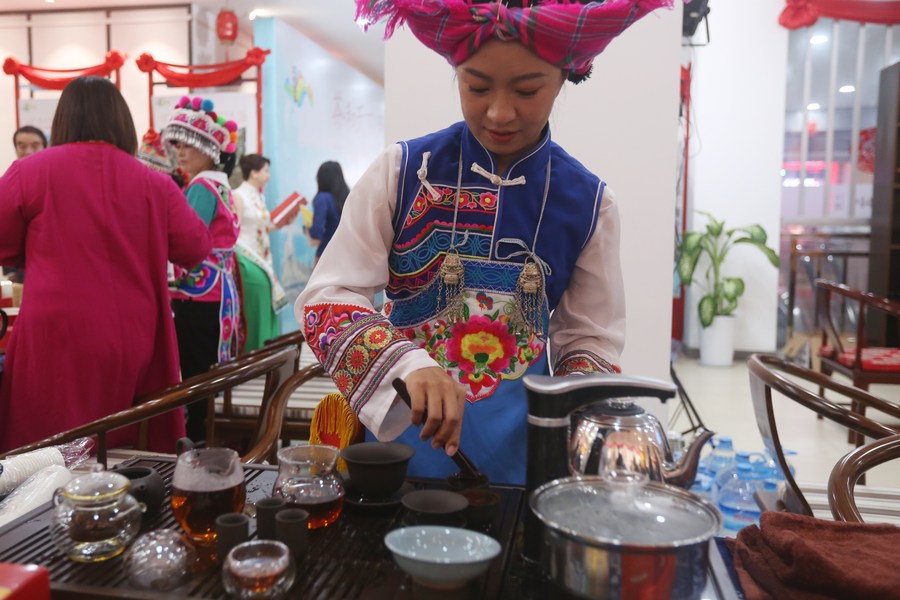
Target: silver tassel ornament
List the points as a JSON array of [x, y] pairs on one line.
[[529, 299], [451, 283]]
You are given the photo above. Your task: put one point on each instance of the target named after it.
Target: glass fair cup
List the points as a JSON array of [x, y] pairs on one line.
[[307, 480], [208, 483], [257, 570]]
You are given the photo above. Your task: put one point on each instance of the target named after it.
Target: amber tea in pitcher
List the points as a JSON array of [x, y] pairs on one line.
[[307, 480]]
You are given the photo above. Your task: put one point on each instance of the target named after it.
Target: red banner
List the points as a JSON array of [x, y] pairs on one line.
[[212, 75], [803, 13], [57, 79]]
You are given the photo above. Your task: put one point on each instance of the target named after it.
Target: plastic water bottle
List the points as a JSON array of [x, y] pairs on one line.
[[722, 456], [757, 460], [736, 501], [704, 486]]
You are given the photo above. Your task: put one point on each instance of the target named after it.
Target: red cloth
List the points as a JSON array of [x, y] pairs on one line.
[[57, 79], [803, 13], [804, 558], [873, 358], [214, 75], [95, 329]]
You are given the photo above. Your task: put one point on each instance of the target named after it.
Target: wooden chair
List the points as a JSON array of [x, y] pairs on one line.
[[769, 373], [276, 365], [236, 413], [862, 364], [848, 471]]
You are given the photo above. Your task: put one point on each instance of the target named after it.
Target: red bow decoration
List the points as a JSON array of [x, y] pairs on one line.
[[803, 13]]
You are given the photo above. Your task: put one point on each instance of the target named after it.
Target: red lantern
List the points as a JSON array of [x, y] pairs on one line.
[[227, 26]]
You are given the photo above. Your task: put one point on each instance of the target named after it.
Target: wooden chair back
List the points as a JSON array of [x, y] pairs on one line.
[[277, 365], [848, 471], [866, 302], [226, 414], [769, 373]]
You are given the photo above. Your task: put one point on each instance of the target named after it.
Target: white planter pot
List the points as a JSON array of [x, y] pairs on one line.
[[717, 342]]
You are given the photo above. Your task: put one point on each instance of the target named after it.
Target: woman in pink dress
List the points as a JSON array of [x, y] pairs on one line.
[[95, 227]]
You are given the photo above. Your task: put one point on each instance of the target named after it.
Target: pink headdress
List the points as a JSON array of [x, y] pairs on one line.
[[565, 33], [194, 122]]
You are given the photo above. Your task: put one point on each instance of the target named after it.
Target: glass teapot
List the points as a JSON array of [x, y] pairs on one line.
[[308, 479], [95, 517]]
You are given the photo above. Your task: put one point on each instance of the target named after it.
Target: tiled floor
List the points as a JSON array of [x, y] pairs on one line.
[[722, 398]]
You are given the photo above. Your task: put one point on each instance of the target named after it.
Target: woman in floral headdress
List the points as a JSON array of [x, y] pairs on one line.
[[488, 238], [205, 299]]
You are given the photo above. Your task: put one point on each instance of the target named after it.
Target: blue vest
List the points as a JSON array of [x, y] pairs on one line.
[[498, 227]]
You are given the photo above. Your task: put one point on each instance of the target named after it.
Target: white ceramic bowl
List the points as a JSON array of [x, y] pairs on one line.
[[444, 557]]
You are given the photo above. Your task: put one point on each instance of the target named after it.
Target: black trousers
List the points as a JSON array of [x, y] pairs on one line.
[[197, 328]]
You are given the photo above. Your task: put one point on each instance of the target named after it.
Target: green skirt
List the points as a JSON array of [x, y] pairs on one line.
[[262, 322]]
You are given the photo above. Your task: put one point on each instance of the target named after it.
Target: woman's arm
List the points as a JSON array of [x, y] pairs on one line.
[[238, 205], [13, 223], [587, 329], [359, 347], [189, 238], [321, 204]]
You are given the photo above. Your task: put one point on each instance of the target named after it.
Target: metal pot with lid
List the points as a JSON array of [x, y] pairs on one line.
[[624, 537]]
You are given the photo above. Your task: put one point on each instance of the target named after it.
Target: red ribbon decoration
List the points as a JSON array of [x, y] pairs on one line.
[[214, 75], [803, 13], [57, 79], [61, 77]]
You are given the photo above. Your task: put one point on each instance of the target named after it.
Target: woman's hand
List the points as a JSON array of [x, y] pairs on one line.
[[433, 390]]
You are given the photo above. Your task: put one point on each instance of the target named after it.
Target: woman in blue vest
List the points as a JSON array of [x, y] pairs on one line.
[[488, 239]]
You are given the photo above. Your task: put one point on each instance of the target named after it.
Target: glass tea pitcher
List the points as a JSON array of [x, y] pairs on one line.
[[95, 517], [307, 479]]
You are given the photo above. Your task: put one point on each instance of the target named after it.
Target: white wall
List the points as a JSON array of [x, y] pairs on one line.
[[621, 124], [68, 40], [13, 42], [736, 152]]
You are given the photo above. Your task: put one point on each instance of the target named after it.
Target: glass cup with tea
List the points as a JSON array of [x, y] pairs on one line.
[[208, 483], [307, 479], [258, 570]]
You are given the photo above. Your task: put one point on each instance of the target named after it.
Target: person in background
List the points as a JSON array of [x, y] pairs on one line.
[[27, 140], [490, 241], [261, 294], [205, 300], [153, 153], [328, 205], [96, 228]]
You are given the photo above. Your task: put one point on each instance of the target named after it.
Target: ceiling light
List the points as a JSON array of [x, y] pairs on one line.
[[813, 106], [846, 89], [49, 1], [818, 39]]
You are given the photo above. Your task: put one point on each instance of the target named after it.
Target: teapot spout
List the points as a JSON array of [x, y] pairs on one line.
[[685, 471]]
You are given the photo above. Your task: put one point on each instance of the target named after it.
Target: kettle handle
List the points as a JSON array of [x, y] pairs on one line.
[[574, 391]]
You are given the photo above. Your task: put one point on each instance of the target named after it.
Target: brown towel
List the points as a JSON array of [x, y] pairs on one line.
[[804, 558]]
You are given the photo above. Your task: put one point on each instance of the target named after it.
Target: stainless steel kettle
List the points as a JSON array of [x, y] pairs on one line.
[[616, 435], [576, 423]]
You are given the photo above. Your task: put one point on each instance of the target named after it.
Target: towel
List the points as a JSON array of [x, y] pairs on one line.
[[804, 558]]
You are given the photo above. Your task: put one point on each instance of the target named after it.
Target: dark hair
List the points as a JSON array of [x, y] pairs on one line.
[[252, 162], [30, 129], [330, 178], [228, 160], [91, 109]]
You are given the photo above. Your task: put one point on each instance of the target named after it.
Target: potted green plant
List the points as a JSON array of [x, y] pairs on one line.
[[721, 293]]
